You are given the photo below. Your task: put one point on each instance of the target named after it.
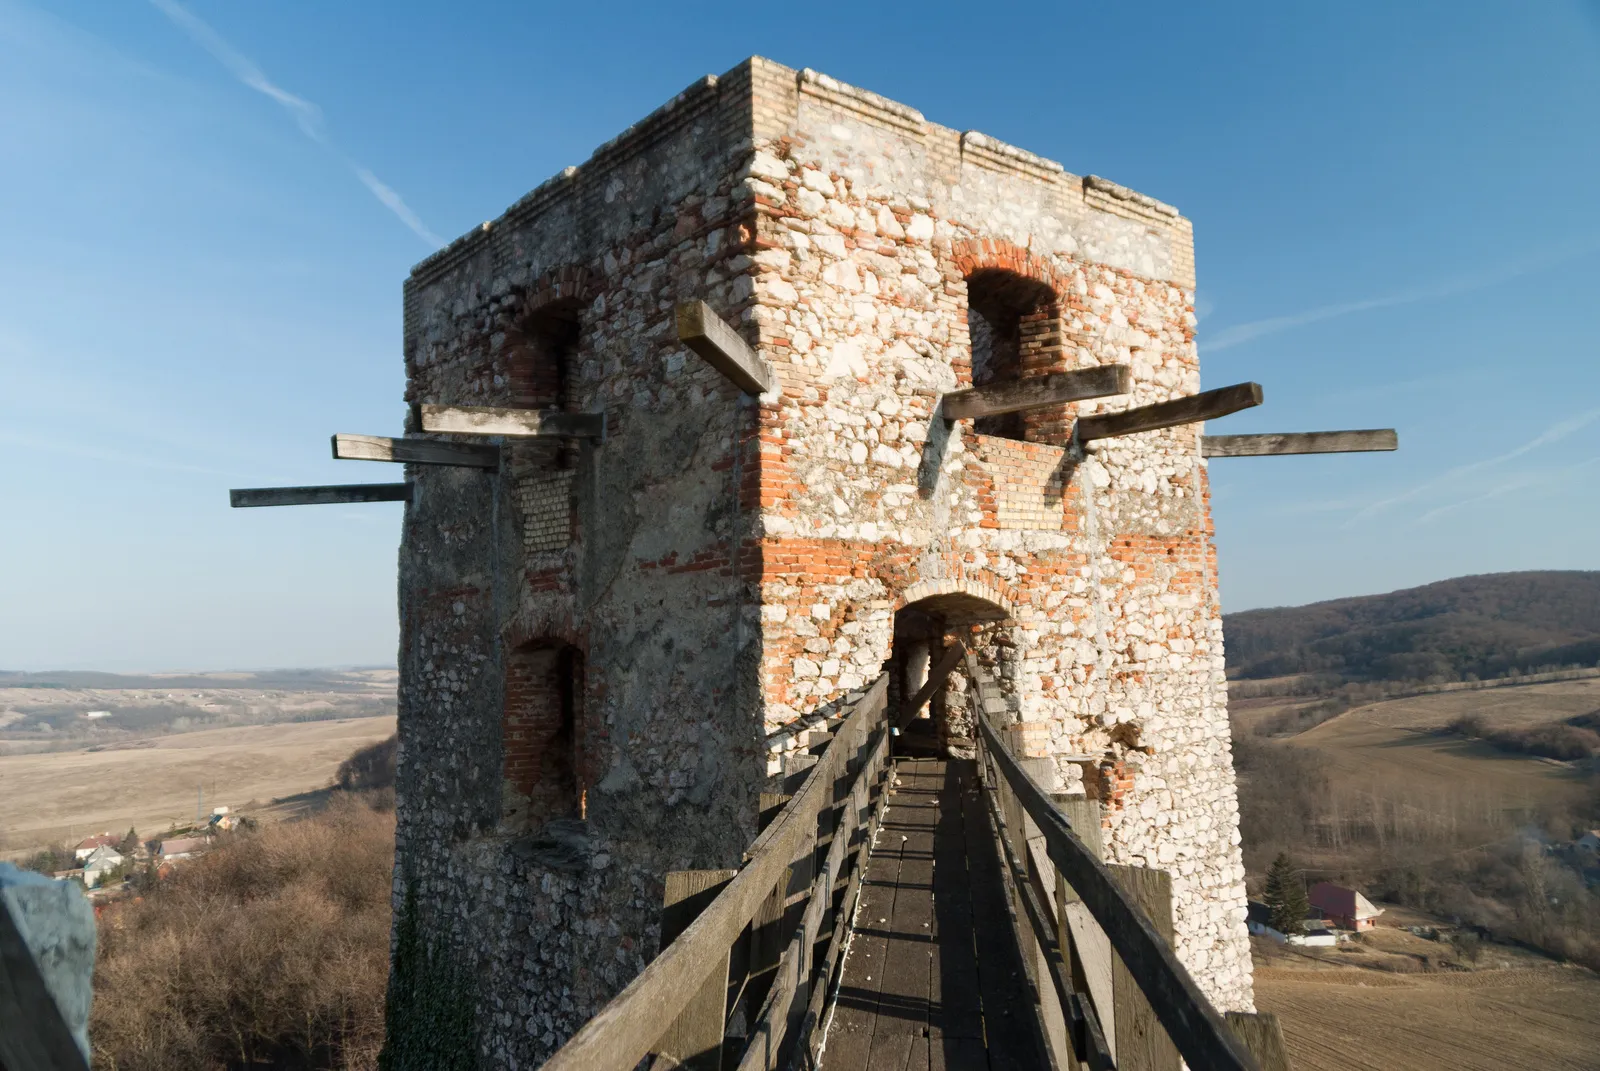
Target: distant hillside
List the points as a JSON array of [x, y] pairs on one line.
[[1472, 626]]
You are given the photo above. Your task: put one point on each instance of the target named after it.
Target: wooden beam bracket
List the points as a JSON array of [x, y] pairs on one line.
[[1207, 405], [416, 451], [513, 423], [702, 330], [1020, 395], [325, 495], [1299, 442]]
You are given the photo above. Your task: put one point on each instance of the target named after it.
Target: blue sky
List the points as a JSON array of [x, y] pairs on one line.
[[208, 210]]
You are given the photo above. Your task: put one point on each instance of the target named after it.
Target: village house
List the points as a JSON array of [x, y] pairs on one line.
[[1589, 843], [87, 846], [99, 863], [1345, 908], [176, 848], [1317, 932]]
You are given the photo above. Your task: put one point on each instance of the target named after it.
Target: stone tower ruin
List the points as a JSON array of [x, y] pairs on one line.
[[610, 643]]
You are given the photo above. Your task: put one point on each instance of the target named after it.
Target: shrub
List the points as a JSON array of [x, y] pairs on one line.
[[270, 951], [371, 767]]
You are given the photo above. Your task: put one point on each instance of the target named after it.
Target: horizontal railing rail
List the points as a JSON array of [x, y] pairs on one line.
[[786, 895], [1022, 810]]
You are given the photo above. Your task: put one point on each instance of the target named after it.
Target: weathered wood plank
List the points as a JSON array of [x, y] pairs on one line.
[[520, 423], [936, 678], [33, 1034], [872, 784], [1207, 405], [415, 451], [702, 330], [1263, 1037], [694, 1039], [326, 495], [1141, 1043], [1019, 395], [1299, 442]]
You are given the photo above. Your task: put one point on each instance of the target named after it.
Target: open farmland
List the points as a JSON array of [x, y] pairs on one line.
[[1363, 1020], [151, 783], [1401, 742]]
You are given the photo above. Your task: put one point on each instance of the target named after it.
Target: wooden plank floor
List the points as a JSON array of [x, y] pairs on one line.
[[932, 979]]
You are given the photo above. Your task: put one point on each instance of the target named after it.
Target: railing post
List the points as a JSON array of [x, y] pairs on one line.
[[1085, 949], [694, 1039], [1142, 1044], [1263, 1036], [1046, 882]]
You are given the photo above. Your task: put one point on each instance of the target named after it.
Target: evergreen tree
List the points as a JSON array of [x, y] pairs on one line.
[[130, 843], [1286, 896]]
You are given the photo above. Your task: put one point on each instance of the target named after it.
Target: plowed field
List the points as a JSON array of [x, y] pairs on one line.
[[1361, 1020]]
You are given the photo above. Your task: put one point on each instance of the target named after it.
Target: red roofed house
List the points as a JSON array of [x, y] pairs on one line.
[[182, 848], [1345, 908], [89, 844]]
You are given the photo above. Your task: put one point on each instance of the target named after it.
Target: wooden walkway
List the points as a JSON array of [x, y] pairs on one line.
[[933, 979]]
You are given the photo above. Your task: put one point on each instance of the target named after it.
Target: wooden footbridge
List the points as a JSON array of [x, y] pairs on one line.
[[902, 910]]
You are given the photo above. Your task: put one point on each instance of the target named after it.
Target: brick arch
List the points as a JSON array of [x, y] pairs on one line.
[[570, 283], [973, 255], [965, 592]]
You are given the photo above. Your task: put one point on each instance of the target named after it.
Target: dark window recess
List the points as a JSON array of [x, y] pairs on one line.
[[542, 362], [543, 736], [1002, 311]]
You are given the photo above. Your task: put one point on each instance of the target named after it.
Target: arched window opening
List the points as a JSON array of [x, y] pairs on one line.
[[1006, 314], [542, 738]]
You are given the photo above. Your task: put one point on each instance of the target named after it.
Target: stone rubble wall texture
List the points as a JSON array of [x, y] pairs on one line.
[[730, 568]]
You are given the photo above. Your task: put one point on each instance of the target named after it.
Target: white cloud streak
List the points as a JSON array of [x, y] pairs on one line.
[[1249, 332], [1517, 483], [1554, 433], [306, 115]]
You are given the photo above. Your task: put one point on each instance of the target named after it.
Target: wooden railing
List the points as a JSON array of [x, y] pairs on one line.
[[760, 945], [1097, 939]]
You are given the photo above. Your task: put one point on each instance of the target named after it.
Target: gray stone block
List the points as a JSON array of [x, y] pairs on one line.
[[57, 925]]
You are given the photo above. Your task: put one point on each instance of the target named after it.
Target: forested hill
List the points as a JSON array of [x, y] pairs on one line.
[[1483, 626]]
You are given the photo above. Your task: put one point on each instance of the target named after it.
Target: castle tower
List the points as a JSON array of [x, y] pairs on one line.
[[608, 646]]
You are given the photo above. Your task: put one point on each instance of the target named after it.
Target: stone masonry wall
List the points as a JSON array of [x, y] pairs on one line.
[[870, 221], [727, 570], [625, 552]]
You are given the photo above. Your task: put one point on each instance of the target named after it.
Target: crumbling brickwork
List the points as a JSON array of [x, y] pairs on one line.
[[728, 570]]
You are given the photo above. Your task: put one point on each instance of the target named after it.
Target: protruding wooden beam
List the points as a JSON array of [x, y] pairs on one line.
[[1018, 395], [416, 451], [522, 423], [327, 495], [1207, 405], [936, 677], [1299, 442], [703, 331]]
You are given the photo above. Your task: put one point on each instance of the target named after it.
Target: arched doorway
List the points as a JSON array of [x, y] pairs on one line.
[[929, 691]]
